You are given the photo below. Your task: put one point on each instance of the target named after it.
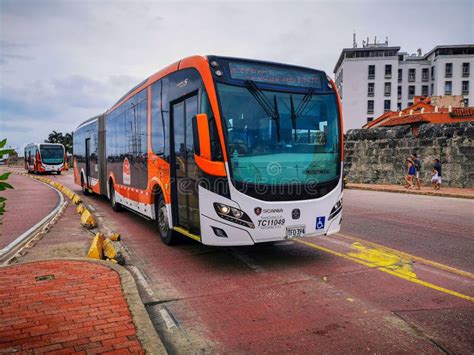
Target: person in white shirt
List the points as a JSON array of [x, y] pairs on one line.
[[434, 178]]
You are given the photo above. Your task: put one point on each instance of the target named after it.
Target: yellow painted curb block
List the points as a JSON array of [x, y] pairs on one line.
[[109, 249], [95, 250], [114, 236], [104, 249], [87, 220], [65, 190], [76, 199], [80, 209]]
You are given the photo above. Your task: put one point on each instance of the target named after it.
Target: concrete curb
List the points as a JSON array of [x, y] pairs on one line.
[[411, 192], [146, 332], [28, 234]]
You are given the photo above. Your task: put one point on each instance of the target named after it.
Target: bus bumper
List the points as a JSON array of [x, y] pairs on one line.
[[271, 220]]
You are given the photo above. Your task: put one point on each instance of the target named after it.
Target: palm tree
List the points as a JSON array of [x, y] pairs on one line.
[[67, 142], [55, 137], [58, 137]]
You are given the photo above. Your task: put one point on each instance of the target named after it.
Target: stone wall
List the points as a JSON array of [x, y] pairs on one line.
[[378, 155]]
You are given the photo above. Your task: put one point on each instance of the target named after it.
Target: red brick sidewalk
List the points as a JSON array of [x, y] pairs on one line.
[[26, 205], [425, 190], [77, 307]]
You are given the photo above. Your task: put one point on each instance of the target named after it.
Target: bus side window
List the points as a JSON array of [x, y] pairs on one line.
[[157, 120], [165, 112], [142, 123]]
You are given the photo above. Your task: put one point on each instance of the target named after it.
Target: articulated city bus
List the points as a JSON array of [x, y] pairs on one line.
[[226, 151], [45, 158]]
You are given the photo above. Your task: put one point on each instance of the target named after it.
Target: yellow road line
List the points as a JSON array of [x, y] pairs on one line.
[[410, 256], [389, 271]]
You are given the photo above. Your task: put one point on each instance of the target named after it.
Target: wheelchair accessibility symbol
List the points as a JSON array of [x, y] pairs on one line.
[[320, 222]]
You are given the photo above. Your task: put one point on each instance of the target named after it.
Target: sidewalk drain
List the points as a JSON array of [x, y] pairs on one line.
[[44, 277]]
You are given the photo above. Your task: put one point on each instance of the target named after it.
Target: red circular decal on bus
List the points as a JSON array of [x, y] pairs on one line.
[[126, 172]]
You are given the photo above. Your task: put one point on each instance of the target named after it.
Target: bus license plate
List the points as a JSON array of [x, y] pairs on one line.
[[295, 231]]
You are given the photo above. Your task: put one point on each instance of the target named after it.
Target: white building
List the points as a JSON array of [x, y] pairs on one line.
[[376, 78]]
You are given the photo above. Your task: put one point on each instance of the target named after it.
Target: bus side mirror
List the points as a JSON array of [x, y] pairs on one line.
[[201, 136], [202, 147]]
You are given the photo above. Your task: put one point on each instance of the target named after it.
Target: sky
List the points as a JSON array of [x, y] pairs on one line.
[[62, 62]]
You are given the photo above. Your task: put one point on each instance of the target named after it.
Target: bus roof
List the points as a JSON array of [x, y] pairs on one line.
[[175, 67], [88, 121]]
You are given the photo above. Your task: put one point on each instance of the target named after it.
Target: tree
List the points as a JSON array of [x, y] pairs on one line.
[[3, 177], [58, 137]]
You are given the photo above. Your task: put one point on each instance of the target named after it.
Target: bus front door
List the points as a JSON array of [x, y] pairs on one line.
[[184, 193], [88, 162]]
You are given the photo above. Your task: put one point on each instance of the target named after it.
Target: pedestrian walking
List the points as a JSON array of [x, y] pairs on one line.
[[411, 172], [417, 164], [436, 175]]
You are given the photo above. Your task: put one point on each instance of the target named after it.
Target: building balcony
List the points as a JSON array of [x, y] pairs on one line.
[[424, 79], [448, 75], [388, 94], [388, 76], [465, 74], [411, 78], [370, 94], [370, 111], [371, 76], [465, 92]]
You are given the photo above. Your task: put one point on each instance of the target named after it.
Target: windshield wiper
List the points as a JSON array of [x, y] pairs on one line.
[[304, 102], [265, 104], [277, 117], [299, 110], [293, 116]]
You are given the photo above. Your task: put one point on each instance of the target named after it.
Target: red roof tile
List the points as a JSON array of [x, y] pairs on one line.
[[404, 120], [422, 112], [463, 112]]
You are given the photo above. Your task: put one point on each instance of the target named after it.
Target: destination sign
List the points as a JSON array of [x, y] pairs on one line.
[[275, 75]]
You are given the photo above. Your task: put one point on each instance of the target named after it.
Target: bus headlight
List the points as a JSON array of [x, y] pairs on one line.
[[233, 214], [224, 209], [237, 213]]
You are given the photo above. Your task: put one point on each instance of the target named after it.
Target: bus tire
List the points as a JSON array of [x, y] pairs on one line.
[[85, 190], [59, 172], [113, 202], [168, 236]]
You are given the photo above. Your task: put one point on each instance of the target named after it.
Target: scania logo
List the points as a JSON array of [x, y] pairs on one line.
[[257, 210], [295, 214]]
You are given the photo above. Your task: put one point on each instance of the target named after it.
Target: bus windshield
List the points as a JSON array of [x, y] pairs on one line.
[[52, 154], [277, 137]]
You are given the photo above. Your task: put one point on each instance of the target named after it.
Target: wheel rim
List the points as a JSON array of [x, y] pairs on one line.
[[163, 220]]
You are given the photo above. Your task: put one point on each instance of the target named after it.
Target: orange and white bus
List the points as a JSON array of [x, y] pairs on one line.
[[226, 151], [45, 158]]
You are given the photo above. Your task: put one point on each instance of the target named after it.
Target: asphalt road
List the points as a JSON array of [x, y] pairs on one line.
[[438, 228], [398, 278]]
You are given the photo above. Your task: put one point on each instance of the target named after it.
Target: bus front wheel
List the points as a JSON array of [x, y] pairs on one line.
[[168, 235]]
